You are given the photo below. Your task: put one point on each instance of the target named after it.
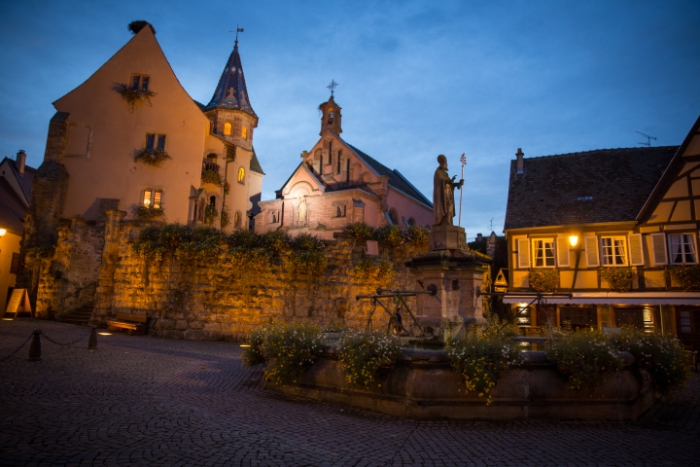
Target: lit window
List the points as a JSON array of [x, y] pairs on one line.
[[154, 141], [237, 219], [543, 252], [244, 132], [227, 128], [152, 198], [613, 251], [139, 82], [681, 248], [241, 175]]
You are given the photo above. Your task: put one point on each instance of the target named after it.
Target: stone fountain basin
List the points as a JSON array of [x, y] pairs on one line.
[[423, 385]]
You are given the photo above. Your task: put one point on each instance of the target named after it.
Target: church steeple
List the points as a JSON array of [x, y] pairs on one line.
[[231, 92], [330, 117]]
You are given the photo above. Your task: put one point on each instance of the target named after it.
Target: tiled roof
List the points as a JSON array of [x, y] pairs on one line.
[[12, 208], [25, 179], [231, 92], [396, 179], [255, 164], [606, 185]]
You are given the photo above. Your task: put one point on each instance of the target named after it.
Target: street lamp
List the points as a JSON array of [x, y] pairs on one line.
[[573, 241], [3, 232]]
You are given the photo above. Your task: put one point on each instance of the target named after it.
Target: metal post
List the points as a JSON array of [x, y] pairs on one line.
[[92, 342], [463, 160], [35, 348]]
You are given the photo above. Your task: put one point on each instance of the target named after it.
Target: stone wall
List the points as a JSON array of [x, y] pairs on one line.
[[210, 301]]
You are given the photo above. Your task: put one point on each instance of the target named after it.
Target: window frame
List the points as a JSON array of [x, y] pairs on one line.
[[604, 259], [155, 141], [241, 175], [693, 244], [535, 249], [137, 82], [149, 197]]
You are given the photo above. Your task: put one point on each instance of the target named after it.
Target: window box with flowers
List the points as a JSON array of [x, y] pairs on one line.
[[153, 153], [544, 280], [686, 277], [619, 279], [135, 93], [212, 177]]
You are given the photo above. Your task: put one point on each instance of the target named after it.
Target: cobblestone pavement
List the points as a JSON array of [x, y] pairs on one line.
[[145, 401]]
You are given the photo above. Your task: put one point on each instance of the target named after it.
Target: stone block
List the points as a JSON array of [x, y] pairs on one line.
[[212, 327], [195, 335], [448, 237], [195, 325], [164, 324], [181, 325]]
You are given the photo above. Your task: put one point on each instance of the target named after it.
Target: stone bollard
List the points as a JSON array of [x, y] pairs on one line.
[[35, 348], [92, 343]]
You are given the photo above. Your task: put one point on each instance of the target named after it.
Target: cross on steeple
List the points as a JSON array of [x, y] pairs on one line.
[[332, 86]]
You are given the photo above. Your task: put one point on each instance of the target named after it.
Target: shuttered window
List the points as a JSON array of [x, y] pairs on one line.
[[591, 245], [682, 249], [543, 252], [658, 249], [523, 253], [636, 250], [563, 251]]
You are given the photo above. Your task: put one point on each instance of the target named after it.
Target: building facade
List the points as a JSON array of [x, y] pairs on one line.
[[15, 188], [617, 229], [336, 184]]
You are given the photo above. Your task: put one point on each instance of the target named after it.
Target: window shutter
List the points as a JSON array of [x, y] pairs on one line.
[[523, 253], [658, 247], [563, 252], [636, 250], [591, 244]]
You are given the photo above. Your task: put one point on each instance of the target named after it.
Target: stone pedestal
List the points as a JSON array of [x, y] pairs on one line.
[[456, 274], [448, 237]]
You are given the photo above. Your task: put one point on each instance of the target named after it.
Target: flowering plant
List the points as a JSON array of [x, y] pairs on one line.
[[213, 177], [544, 280], [152, 157], [374, 269], [585, 357], [620, 279], [662, 355], [133, 96], [286, 349], [362, 354], [688, 277], [480, 360]]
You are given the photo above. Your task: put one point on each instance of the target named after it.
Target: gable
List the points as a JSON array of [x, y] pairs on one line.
[[676, 197], [302, 183]]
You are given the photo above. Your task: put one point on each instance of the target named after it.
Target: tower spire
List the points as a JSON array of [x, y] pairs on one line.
[[231, 93]]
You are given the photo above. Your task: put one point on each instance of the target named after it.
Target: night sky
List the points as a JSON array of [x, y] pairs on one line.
[[417, 79]]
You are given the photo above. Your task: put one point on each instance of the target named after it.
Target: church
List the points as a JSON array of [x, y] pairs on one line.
[[337, 184]]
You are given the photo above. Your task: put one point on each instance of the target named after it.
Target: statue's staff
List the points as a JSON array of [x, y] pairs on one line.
[[463, 160]]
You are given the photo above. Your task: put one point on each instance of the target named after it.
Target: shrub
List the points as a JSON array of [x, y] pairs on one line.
[[225, 218], [277, 242], [210, 214], [148, 244], [545, 280], [213, 177], [620, 279], [688, 277], [307, 256], [152, 157], [359, 231], [662, 355], [253, 355], [585, 357], [363, 354], [374, 269], [417, 238], [389, 236], [146, 213], [286, 349], [480, 359], [202, 245], [173, 235], [243, 239]]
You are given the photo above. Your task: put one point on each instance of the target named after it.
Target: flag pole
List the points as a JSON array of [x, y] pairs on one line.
[[463, 160]]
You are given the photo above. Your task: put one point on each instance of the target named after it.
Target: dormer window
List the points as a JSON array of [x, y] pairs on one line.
[[139, 82]]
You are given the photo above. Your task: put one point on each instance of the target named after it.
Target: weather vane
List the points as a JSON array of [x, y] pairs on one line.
[[332, 86], [237, 31]]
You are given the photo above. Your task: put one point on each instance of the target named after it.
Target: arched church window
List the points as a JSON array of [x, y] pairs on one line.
[[241, 175], [227, 128], [244, 132], [393, 215], [237, 220], [330, 117]]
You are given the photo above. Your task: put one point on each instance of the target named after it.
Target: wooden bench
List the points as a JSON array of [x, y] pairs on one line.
[[134, 324]]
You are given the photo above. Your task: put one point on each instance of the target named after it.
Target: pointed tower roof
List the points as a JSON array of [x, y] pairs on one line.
[[231, 92]]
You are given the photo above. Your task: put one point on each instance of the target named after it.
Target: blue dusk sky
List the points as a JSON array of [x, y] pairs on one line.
[[417, 78]]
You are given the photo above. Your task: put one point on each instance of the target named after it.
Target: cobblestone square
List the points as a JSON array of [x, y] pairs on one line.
[[145, 401]]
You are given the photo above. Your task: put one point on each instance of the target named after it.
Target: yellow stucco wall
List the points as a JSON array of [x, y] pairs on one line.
[[115, 132]]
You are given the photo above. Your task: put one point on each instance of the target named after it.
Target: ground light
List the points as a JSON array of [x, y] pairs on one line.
[[245, 346], [104, 333]]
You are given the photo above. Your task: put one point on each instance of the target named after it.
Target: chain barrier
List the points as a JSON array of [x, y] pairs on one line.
[[18, 348], [67, 343]]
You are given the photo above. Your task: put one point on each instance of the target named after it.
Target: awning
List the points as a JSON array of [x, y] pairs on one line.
[[611, 298]]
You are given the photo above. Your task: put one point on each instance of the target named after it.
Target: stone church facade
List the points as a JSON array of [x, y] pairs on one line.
[[337, 184]]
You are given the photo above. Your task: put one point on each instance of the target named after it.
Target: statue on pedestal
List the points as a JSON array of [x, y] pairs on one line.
[[443, 193]]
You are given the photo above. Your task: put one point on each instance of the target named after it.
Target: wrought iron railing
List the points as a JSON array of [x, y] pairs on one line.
[[78, 298]]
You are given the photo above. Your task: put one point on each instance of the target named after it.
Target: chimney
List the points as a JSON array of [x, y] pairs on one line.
[[21, 160], [519, 155], [479, 237]]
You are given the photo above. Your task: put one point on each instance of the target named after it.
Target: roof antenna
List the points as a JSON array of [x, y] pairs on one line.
[[491, 225], [237, 31], [649, 138]]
